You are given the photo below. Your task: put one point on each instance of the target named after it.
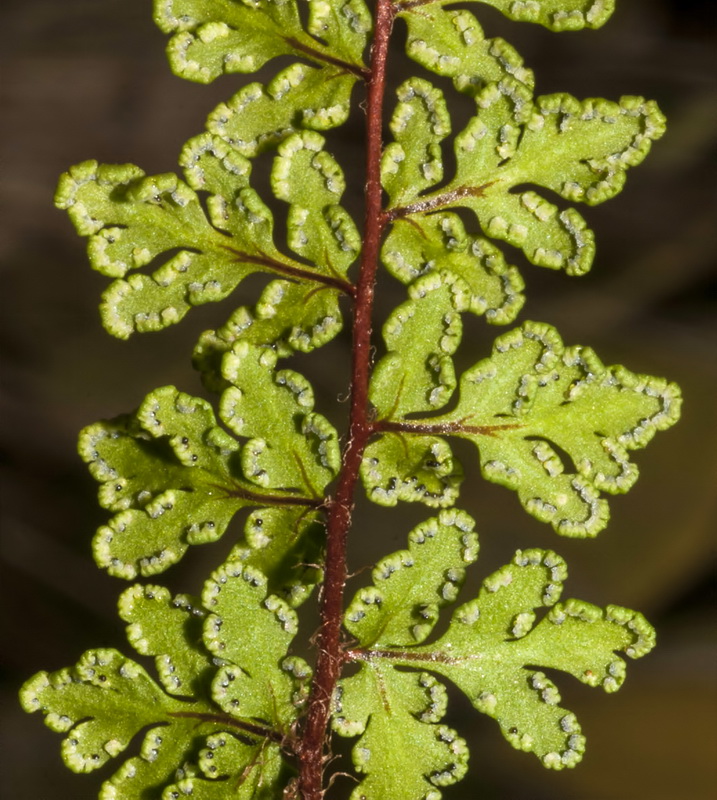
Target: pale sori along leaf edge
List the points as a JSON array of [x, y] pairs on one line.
[[237, 713]]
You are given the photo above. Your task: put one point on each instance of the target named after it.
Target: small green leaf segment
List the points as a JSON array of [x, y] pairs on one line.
[[176, 478], [235, 713], [491, 651], [531, 400], [132, 220], [223, 707]]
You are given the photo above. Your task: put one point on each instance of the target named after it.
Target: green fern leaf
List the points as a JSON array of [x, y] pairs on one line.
[[160, 625], [288, 317], [564, 396], [260, 116], [286, 544], [176, 478], [257, 681], [309, 179], [229, 36], [421, 243], [411, 468], [411, 706], [293, 448], [413, 162], [557, 15], [217, 776], [410, 586], [106, 701], [574, 637], [416, 375], [166, 751], [102, 703], [132, 220], [292, 315], [552, 423], [225, 718], [169, 474], [421, 336], [493, 649], [452, 44], [439, 241], [580, 151]]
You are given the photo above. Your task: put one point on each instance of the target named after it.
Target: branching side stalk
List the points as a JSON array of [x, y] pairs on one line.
[[312, 748]]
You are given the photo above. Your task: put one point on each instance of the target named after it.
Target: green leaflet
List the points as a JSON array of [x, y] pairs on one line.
[[288, 316], [452, 44], [132, 220], [411, 706], [413, 162], [439, 241], [416, 375], [540, 392], [551, 422], [102, 703], [293, 448], [169, 474], [294, 315], [421, 243], [102, 719], [259, 116], [421, 335], [212, 37], [575, 637], [493, 649], [411, 586], [217, 777], [398, 713], [580, 151], [107, 700], [176, 478], [160, 625], [257, 679], [558, 15], [286, 545], [411, 468]]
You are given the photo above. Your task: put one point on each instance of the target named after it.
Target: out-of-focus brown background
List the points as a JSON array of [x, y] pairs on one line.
[[88, 79]]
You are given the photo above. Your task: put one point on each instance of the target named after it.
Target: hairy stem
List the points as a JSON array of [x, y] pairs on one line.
[[339, 508]]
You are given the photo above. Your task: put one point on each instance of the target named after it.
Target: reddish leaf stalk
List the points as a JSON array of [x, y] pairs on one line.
[[312, 747]]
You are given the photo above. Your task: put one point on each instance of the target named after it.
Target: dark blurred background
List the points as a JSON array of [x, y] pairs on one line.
[[88, 79]]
